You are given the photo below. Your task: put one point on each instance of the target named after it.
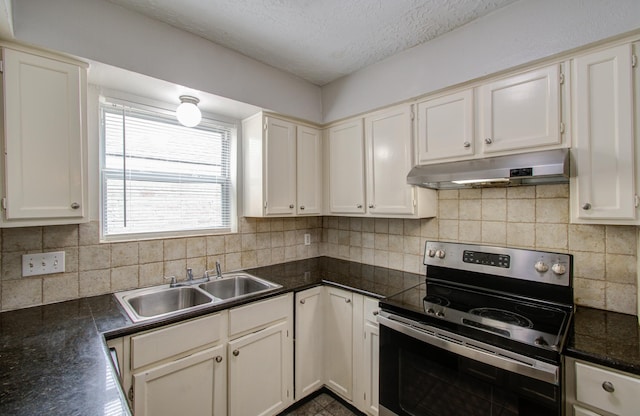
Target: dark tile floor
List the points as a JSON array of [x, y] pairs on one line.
[[321, 405]]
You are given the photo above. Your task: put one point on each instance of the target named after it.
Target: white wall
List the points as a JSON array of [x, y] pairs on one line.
[[522, 32], [104, 32]]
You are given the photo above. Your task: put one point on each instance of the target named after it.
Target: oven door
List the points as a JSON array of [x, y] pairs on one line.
[[426, 371]]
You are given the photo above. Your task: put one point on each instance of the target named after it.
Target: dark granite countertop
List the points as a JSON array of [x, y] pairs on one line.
[[53, 358], [607, 338]]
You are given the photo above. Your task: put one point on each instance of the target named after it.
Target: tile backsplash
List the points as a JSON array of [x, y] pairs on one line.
[[605, 257], [531, 217]]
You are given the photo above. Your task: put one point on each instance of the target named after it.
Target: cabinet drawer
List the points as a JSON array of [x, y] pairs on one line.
[[167, 342], [590, 389], [258, 314], [371, 309], [579, 411]]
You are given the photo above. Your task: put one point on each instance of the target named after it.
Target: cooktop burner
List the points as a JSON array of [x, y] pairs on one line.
[[437, 300], [503, 316]]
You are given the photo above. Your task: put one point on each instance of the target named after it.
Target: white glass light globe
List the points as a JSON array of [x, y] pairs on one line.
[[188, 113]]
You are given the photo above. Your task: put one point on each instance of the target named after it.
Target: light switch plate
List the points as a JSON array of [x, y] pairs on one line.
[[42, 263]]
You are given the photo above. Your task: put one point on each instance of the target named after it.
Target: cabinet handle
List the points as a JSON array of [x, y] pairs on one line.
[[371, 206], [348, 300], [291, 206], [488, 140], [236, 353], [301, 207], [608, 387], [218, 359], [302, 301], [586, 206], [375, 313], [359, 206], [75, 205], [466, 144]]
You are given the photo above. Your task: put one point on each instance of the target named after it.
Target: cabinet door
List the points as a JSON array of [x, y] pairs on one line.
[[604, 138], [371, 356], [338, 346], [44, 141], [389, 159], [346, 168], [280, 166], [445, 127], [309, 186], [194, 385], [521, 111], [260, 372], [309, 354]]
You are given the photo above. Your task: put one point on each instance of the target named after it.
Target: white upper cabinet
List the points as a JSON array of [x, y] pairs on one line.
[[346, 168], [309, 171], [446, 127], [44, 132], [605, 180], [521, 111], [282, 165], [376, 158]]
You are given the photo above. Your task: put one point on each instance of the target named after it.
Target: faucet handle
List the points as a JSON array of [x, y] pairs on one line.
[[172, 278], [189, 273]]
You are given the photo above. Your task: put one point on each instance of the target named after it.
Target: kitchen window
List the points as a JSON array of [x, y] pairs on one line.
[[160, 178]]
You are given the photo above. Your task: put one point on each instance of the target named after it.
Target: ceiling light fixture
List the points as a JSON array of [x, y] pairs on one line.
[[188, 113]]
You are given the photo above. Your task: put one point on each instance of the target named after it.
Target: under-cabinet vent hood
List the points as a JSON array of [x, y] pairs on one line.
[[550, 166]]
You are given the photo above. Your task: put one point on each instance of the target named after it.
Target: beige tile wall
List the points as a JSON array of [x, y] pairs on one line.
[[605, 257], [93, 268]]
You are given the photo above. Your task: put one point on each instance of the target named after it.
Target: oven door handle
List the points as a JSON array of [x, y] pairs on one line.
[[468, 348]]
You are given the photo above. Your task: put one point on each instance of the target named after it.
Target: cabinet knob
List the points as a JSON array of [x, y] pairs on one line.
[[586, 206], [236, 353], [291, 206], [375, 313], [359, 206], [302, 301], [301, 207], [75, 205], [348, 300], [466, 144], [608, 387], [218, 359], [488, 140], [371, 206]]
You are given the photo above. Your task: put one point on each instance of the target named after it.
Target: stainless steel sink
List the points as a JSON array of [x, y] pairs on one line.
[[160, 301], [237, 285]]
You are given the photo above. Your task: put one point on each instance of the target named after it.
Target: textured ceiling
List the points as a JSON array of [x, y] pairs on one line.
[[318, 40]]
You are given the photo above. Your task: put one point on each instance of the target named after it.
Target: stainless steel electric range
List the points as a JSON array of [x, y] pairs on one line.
[[481, 336]]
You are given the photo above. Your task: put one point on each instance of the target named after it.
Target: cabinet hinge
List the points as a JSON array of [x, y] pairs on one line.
[[365, 396], [131, 394], [637, 198], [287, 393], [634, 60], [561, 78], [265, 204], [4, 203], [1, 66], [415, 203], [561, 128], [413, 115]]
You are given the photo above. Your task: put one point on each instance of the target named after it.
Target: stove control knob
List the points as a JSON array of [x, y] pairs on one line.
[[440, 314], [541, 341], [430, 311], [559, 269], [431, 252], [541, 267], [440, 254]]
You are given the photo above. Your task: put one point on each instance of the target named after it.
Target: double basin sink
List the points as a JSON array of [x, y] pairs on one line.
[[161, 301]]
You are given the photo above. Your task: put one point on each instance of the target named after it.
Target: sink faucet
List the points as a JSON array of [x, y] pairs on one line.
[[218, 270], [189, 274]]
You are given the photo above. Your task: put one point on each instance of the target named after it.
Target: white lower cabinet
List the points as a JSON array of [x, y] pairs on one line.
[[260, 372], [593, 390], [193, 385], [337, 345]]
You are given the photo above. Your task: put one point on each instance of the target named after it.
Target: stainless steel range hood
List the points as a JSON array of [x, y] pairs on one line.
[[549, 166]]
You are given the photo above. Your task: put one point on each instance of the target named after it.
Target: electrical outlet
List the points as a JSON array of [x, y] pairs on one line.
[[42, 263], [307, 239]]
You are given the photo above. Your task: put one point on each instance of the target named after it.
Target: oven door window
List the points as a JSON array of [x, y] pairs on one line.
[[419, 379]]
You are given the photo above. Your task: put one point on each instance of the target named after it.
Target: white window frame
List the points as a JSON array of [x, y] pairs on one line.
[[145, 104]]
